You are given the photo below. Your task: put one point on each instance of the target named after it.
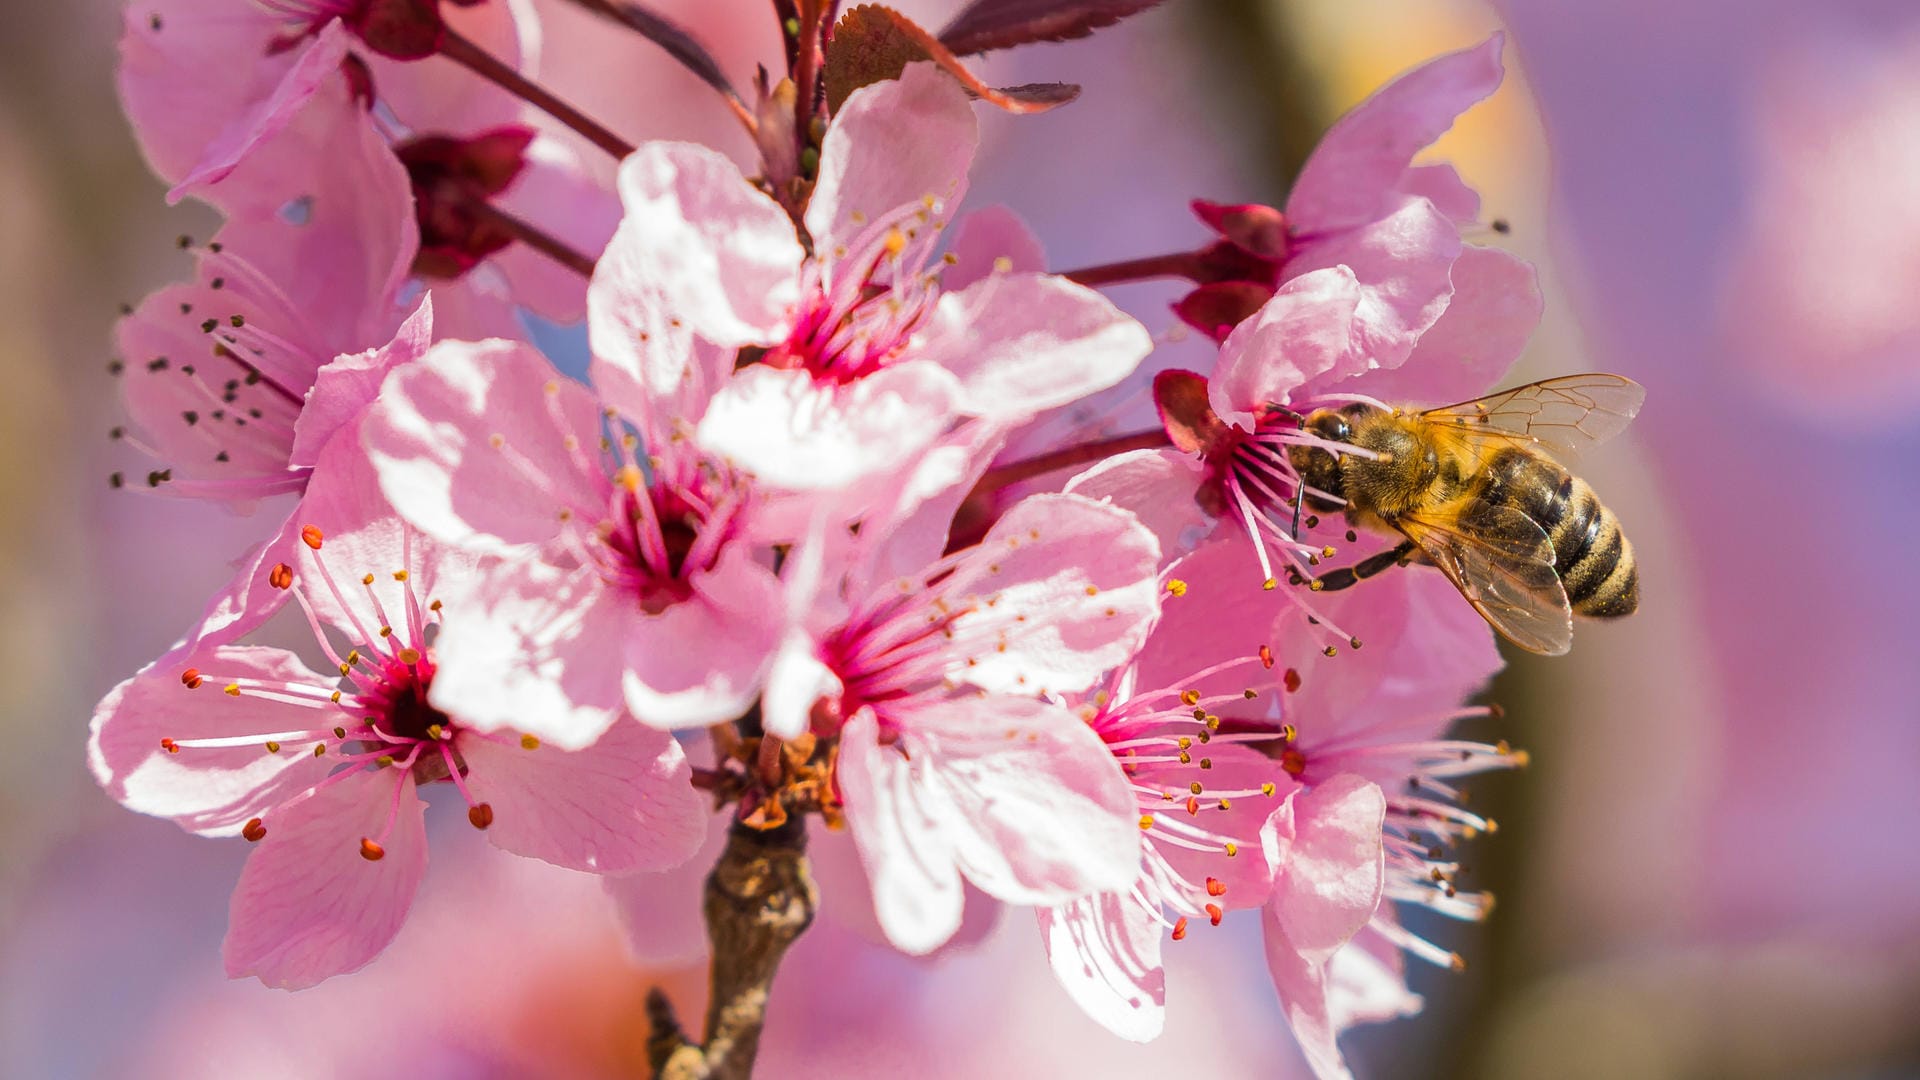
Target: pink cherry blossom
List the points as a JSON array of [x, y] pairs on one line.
[[323, 771], [1203, 797], [862, 358], [1368, 734], [1360, 202], [617, 581], [949, 764]]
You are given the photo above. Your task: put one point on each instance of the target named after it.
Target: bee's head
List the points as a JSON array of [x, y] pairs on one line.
[[1318, 467]]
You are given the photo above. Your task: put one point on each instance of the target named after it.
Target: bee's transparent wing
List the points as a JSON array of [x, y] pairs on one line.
[[1563, 416], [1502, 562]]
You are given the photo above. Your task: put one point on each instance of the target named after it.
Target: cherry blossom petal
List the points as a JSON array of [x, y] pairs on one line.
[[1402, 262], [899, 826], [532, 648], [1439, 183], [623, 804], [1362, 161], [436, 94], [1495, 307], [661, 911], [1248, 876], [484, 445], [983, 239], [893, 145], [347, 385], [1367, 980], [175, 117], [700, 660], [792, 432], [795, 680], [1022, 343], [698, 244], [308, 905], [1328, 840], [1309, 331], [1038, 811], [1105, 950], [1157, 486], [212, 791], [1083, 575], [317, 63]]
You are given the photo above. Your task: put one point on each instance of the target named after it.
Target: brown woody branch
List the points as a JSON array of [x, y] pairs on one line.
[[759, 899]]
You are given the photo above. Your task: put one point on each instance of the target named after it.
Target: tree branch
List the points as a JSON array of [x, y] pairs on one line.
[[759, 899]]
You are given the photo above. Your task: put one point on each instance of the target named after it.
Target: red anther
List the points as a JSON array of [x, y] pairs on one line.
[[480, 814], [1293, 761], [281, 576], [312, 536], [371, 851], [1180, 928], [1216, 887], [169, 746], [1292, 681], [191, 679], [1193, 805], [1266, 657], [253, 831], [1214, 914]]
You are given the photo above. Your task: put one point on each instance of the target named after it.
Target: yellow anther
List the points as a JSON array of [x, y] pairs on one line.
[[319, 749], [1176, 587], [339, 733], [272, 747], [1267, 788], [1146, 821], [1232, 849], [335, 698], [896, 242], [233, 689], [368, 580], [409, 656], [434, 731], [399, 575], [1189, 697], [529, 742], [384, 760], [1002, 265], [1268, 584]]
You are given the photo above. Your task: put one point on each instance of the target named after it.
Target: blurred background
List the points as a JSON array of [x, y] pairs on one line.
[[1711, 869]]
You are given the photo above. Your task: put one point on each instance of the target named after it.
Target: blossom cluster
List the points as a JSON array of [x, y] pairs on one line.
[[824, 495]]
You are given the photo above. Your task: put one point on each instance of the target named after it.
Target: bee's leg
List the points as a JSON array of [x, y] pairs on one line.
[[1348, 576]]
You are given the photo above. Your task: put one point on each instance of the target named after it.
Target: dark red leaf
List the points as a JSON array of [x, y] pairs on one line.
[[873, 43], [986, 25], [1186, 412], [1216, 309]]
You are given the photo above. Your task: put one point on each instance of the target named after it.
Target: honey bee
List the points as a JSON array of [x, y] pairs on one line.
[[1475, 490]]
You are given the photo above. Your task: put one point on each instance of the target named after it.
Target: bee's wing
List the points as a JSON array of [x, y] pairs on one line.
[[1502, 562], [1563, 416]]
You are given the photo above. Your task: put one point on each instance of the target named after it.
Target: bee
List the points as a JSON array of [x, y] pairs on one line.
[[1475, 490]]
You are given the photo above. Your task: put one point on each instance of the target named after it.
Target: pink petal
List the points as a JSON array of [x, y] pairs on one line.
[[1247, 876], [1083, 575], [345, 387], [1440, 184], [471, 443], [248, 599], [475, 308], [531, 648], [661, 911], [1402, 262], [982, 239], [792, 432], [898, 826], [1022, 343], [1361, 163], [1105, 951], [1423, 656], [1367, 981], [317, 63], [558, 194], [1222, 575], [177, 83], [309, 906], [1036, 810], [1327, 843], [700, 661], [1495, 307], [795, 681], [206, 790], [1160, 487], [1333, 870], [892, 146], [624, 804], [1308, 332], [698, 244]]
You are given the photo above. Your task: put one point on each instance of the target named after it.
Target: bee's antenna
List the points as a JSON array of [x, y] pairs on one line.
[[1299, 496]]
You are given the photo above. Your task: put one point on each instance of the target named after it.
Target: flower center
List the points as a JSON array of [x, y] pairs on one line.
[[658, 535], [865, 303]]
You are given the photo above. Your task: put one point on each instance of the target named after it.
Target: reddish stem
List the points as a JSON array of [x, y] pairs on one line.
[[1066, 457], [1179, 265], [534, 237], [465, 53]]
